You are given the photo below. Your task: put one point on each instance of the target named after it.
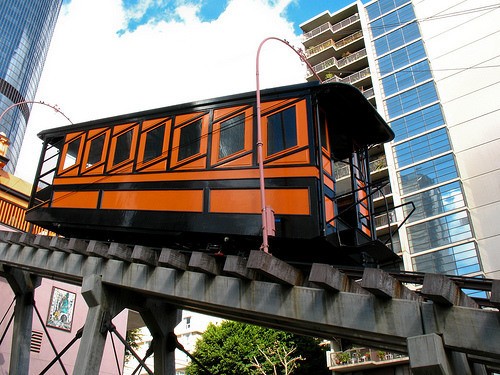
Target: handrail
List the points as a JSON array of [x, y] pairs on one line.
[[328, 26]]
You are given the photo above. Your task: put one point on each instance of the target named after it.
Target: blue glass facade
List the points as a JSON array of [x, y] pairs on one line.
[[26, 28], [440, 234]]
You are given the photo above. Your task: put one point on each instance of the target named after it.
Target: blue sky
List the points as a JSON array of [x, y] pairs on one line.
[[297, 11]]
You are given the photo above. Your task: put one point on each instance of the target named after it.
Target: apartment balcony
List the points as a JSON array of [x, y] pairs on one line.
[[359, 359], [358, 79], [377, 167], [355, 61], [330, 47], [328, 31], [369, 93]]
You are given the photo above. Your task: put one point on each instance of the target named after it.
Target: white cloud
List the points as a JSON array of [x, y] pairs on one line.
[[92, 71]]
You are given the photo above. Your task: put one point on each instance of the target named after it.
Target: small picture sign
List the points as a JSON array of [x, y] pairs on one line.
[[62, 305]]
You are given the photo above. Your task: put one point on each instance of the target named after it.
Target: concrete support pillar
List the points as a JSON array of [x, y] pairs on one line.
[[427, 355], [102, 308], [23, 284], [161, 319]]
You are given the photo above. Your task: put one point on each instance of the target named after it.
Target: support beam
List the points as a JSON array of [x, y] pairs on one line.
[[332, 279], [444, 291], [384, 285], [202, 262], [427, 355], [274, 268], [23, 284], [161, 319], [102, 308]]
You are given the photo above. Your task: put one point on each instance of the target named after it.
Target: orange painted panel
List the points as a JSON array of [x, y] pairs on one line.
[[327, 164], [181, 119], [245, 160], [157, 166], [153, 200], [233, 174], [120, 128], [271, 106], [75, 199], [282, 201], [150, 123], [301, 157], [218, 113], [329, 210], [329, 182]]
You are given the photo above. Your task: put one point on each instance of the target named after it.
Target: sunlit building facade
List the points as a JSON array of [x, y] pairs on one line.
[[26, 28], [431, 69]]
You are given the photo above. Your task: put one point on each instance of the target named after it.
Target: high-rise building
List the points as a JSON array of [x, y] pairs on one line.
[[26, 28], [432, 69]]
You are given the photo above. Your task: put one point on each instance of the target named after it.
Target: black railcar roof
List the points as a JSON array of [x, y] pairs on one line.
[[353, 117]]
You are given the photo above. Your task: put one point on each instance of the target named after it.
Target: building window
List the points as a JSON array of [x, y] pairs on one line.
[[392, 20], [95, 152], [123, 147], [435, 201], [190, 139], [383, 6], [417, 122], [281, 131], [423, 147], [401, 57], [154, 143], [406, 78], [456, 260], [438, 232], [412, 99], [432, 172], [188, 322], [397, 38], [232, 136], [72, 153]]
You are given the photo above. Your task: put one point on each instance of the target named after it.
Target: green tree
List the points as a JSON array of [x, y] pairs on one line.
[[242, 349]]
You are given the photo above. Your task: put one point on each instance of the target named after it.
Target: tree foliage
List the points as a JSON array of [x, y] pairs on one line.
[[236, 348]]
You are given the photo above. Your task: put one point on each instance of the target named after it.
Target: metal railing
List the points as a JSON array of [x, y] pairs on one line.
[[13, 215], [332, 61], [382, 192], [385, 219], [328, 26], [352, 78], [377, 164], [363, 356]]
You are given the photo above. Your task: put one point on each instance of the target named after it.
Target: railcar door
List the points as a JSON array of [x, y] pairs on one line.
[[327, 179]]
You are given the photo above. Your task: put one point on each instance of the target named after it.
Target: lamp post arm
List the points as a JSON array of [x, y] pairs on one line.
[[266, 226], [33, 102]]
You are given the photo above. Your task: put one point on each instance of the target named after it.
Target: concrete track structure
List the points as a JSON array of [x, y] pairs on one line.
[[443, 330]]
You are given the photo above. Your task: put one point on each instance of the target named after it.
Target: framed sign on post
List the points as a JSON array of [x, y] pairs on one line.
[[62, 306]]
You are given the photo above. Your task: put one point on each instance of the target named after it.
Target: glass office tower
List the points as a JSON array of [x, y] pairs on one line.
[[26, 28], [431, 69]]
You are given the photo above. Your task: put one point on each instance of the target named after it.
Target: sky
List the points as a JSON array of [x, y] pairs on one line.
[[115, 57]]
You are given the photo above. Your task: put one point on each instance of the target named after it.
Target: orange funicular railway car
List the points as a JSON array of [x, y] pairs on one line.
[[187, 176]]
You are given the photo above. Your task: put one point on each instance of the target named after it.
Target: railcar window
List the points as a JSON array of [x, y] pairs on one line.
[[281, 130], [232, 136], [72, 153], [95, 152], [154, 143], [190, 138], [123, 146]]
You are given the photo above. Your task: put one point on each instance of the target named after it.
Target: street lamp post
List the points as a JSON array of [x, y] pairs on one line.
[[268, 228]]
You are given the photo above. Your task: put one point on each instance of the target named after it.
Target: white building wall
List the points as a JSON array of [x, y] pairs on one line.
[[464, 54]]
